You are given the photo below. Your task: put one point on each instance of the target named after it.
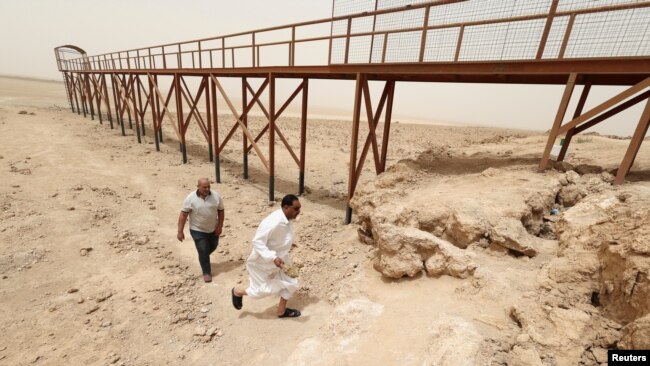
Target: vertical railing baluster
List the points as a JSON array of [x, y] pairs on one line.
[[424, 33], [460, 42], [347, 41]]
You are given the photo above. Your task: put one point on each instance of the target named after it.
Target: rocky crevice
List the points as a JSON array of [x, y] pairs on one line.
[[594, 295]]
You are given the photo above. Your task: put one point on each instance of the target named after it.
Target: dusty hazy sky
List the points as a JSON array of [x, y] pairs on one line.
[[32, 28]]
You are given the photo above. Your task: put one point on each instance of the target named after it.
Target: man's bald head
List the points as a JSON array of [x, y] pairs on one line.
[[203, 186]]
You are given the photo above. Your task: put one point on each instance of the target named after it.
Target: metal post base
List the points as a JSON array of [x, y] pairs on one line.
[[301, 183], [271, 188], [348, 215], [245, 166], [217, 169]]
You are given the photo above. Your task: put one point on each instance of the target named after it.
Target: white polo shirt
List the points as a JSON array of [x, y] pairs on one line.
[[203, 212]]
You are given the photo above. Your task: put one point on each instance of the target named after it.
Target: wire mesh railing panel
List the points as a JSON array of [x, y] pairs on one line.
[[377, 49], [485, 10], [555, 37], [572, 5], [403, 47], [610, 34], [522, 39], [441, 45], [347, 7], [378, 31], [359, 50], [362, 25], [338, 51], [390, 4], [483, 42], [340, 27], [400, 20]]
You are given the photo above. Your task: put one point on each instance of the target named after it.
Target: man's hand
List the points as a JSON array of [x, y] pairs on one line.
[[180, 236], [218, 231], [278, 262]]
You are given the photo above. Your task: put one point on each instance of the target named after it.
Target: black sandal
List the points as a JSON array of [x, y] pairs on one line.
[[237, 301], [290, 313]]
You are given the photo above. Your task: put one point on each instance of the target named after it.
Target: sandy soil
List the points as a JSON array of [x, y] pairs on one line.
[[91, 271]]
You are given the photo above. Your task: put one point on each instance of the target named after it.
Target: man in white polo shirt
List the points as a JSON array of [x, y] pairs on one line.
[[205, 209]]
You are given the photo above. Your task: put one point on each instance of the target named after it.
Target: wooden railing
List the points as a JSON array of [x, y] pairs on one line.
[[550, 34]]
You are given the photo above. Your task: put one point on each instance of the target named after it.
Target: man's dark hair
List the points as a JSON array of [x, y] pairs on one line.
[[288, 200]]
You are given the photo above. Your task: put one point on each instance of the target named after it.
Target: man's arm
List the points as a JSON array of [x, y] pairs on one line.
[[181, 225], [260, 244], [220, 217]]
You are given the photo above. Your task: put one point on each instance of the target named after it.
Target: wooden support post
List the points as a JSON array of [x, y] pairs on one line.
[[136, 111], [271, 137], [160, 132], [125, 100], [140, 108], [353, 145], [154, 112], [423, 37], [215, 128], [347, 42], [82, 94], [208, 113], [107, 100], [97, 97], [635, 144], [547, 29], [387, 120], [116, 103], [372, 125], [612, 112], [237, 116], [576, 114], [118, 88], [559, 117], [68, 90], [179, 114], [603, 107], [89, 96], [373, 121], [74, 90], [303, 136], [244, 119]]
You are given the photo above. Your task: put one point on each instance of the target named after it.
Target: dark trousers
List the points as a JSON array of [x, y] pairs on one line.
[[206, 243]]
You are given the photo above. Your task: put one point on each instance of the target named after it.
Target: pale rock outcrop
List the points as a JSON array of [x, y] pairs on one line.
[[636, 335], [569, 195], [562, 166], [447, 333], [409, 251], [554, 332], [431, 231], [511, 235], [596, 294], [583, 169]]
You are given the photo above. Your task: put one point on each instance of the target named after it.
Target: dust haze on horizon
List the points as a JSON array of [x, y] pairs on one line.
[[32, 29]]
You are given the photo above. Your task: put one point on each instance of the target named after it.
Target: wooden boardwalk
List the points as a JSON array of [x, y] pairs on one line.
[[566, 42]]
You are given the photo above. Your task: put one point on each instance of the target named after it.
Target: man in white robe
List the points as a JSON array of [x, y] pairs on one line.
[[271, 245]]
